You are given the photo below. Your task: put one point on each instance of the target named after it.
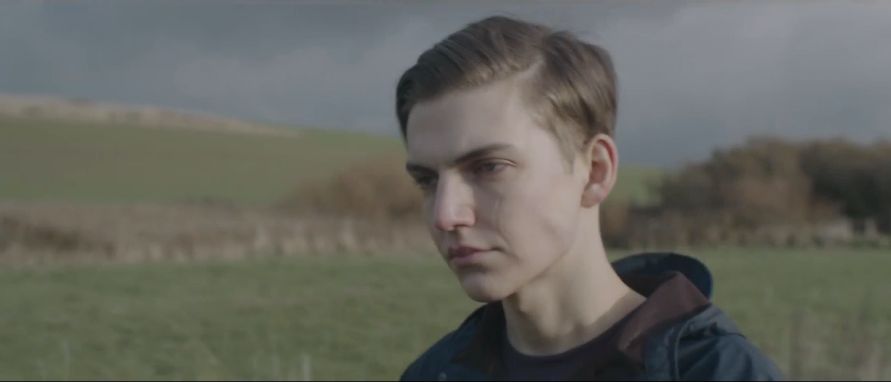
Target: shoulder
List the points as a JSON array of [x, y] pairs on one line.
[[725, 356], [710, 347], [432, 361]]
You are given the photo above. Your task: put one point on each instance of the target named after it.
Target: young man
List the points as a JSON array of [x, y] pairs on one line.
[[508, 128]]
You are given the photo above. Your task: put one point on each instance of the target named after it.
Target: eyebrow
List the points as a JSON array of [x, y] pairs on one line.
[[470, 155]]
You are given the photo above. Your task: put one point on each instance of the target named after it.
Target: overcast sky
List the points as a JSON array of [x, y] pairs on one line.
[[693, 75]]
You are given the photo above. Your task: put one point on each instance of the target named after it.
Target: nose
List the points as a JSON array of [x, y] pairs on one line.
[[453, 205]]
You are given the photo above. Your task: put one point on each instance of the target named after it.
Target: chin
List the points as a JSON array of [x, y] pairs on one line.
[[483, 288]]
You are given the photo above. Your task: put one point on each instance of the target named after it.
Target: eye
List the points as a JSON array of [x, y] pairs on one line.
[[488, 168], [425, 182]]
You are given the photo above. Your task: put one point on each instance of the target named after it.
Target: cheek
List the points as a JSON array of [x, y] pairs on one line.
[[435, 234], [537, 219]]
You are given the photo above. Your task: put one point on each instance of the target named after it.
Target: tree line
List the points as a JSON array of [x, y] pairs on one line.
[[766, 191]]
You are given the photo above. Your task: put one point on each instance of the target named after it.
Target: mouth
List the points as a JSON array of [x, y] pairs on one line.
[[464, 255]]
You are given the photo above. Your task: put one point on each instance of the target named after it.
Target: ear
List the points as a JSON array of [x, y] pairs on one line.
[[603, 164]]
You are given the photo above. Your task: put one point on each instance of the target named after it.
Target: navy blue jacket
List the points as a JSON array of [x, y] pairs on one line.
[[676, 335]]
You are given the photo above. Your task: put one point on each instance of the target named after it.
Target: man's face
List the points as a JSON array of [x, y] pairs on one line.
[[494, 181]]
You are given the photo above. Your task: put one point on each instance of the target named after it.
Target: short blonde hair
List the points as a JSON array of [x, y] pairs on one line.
[[572, 87]]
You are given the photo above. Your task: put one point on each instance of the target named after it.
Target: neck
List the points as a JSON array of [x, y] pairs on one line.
[[578, 298]]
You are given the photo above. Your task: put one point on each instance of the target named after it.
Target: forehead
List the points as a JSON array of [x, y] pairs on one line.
[[460, 121]]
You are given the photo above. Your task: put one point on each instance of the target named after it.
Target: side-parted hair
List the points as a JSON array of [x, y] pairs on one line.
[[570, 86]]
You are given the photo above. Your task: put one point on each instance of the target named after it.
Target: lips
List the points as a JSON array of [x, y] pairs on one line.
[[462, 251], [460, 256]]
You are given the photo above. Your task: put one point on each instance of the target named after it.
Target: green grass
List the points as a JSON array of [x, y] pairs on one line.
[[366, 317], [246, 320], [73, 161]]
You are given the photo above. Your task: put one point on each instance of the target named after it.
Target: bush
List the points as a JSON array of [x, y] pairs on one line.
[[615, 223], [757, 183], [377, 188], [770, 191], [856, 177]]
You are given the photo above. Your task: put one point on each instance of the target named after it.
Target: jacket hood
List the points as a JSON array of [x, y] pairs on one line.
[[660, 263]]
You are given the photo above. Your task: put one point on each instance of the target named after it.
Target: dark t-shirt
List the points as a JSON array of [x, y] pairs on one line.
[[558, 367]]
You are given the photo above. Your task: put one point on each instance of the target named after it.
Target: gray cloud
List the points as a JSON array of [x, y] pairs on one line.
[[715, 73], [693, 75]]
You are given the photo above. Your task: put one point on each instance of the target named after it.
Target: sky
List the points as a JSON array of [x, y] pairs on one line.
[[693, 75]]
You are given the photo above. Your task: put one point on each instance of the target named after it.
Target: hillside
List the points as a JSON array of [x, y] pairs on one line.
[[106, 113], [48, 159]]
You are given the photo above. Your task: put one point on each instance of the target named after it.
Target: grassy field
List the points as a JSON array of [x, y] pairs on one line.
[[55, 160], [819, 314], [74, 161]]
